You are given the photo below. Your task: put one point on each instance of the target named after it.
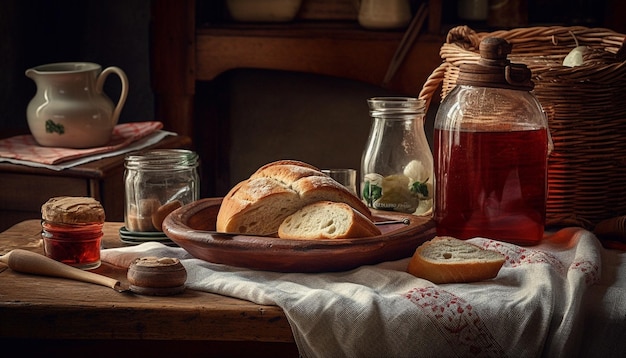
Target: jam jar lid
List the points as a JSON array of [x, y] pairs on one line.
[[73, 210]]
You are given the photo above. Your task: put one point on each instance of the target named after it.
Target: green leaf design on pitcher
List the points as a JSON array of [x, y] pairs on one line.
[[52, 127]]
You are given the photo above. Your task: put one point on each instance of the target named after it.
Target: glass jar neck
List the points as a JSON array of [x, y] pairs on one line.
[[400, 108], [162, 159]]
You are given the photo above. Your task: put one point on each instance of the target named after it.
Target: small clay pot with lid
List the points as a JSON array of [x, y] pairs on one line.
[[157, 276]]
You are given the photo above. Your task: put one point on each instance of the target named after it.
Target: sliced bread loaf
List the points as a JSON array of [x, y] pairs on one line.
[[259, 204], [446, 259], [327, 220]]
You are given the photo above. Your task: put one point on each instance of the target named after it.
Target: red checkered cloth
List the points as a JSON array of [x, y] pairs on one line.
[[24, 147]]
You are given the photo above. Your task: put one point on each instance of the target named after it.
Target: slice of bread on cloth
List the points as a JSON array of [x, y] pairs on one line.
[[446, 259]]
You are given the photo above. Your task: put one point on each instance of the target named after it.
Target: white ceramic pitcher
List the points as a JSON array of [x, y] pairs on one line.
[[70, 108]]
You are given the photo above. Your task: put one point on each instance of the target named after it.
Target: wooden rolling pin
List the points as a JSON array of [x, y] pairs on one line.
[[29, 262]]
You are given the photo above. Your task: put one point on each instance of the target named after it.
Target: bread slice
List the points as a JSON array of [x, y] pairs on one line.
[[327, 220], [446, 259], [259, 204]]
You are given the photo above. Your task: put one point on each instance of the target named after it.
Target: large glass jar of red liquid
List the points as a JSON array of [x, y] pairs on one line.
[[491, 146]]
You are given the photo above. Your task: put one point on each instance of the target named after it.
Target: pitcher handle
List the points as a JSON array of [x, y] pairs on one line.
[[123, 94]]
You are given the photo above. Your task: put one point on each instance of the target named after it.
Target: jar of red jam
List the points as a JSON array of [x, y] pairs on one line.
[[72, 230]]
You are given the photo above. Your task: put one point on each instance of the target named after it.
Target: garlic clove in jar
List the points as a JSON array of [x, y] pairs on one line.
[[416, 171]]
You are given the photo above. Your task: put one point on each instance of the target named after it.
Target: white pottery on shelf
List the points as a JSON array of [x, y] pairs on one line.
[[70, 108]]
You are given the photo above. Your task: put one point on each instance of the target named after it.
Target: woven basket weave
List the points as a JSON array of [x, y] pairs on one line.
[[586, 108]]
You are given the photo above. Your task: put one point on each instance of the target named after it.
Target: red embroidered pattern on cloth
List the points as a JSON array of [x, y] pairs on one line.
[[457, 321], [24, 147], [589, 270], [517, 256]]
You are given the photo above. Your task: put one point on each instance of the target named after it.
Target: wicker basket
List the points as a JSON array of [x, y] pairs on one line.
[[586, 108]]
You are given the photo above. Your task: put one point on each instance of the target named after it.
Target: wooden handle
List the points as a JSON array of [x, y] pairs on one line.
[[29, 262]]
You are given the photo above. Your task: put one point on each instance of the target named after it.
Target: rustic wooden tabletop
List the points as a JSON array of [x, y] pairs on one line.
[[47, 308]]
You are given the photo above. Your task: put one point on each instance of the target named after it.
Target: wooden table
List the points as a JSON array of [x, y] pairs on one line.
[[43, 315]]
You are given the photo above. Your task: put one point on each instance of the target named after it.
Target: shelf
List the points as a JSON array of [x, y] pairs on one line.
[[183, 54], [335, 49]]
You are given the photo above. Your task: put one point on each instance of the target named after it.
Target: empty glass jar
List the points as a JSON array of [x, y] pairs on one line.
[[156, 183]]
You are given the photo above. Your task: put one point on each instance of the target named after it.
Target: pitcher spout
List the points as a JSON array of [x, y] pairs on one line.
[[31, 73]]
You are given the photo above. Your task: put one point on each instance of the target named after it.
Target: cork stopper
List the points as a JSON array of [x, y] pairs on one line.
[[494, 69]]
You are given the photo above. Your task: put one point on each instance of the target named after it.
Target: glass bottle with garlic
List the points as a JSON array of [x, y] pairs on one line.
[[397, 164]]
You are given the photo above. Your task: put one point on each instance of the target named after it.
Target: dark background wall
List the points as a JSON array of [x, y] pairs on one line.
[[116, 33], [110, 33]]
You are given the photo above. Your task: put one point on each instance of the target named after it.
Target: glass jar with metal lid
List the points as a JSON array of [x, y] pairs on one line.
[[156, 183]]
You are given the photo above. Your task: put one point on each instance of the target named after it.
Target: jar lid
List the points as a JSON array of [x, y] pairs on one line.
[[158, 276], [72, 210], [494, 69]]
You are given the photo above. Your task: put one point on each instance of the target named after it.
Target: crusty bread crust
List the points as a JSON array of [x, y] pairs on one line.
[[447, 260], [327, 220], [72, 210], [285, 162], [258, 205]]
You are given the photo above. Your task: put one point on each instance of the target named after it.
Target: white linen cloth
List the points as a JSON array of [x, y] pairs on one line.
[[533, 307]]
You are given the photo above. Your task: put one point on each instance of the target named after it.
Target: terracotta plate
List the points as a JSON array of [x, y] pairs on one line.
[[189, 227]]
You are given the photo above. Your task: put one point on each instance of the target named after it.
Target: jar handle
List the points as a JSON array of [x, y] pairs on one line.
[[123, 94]]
